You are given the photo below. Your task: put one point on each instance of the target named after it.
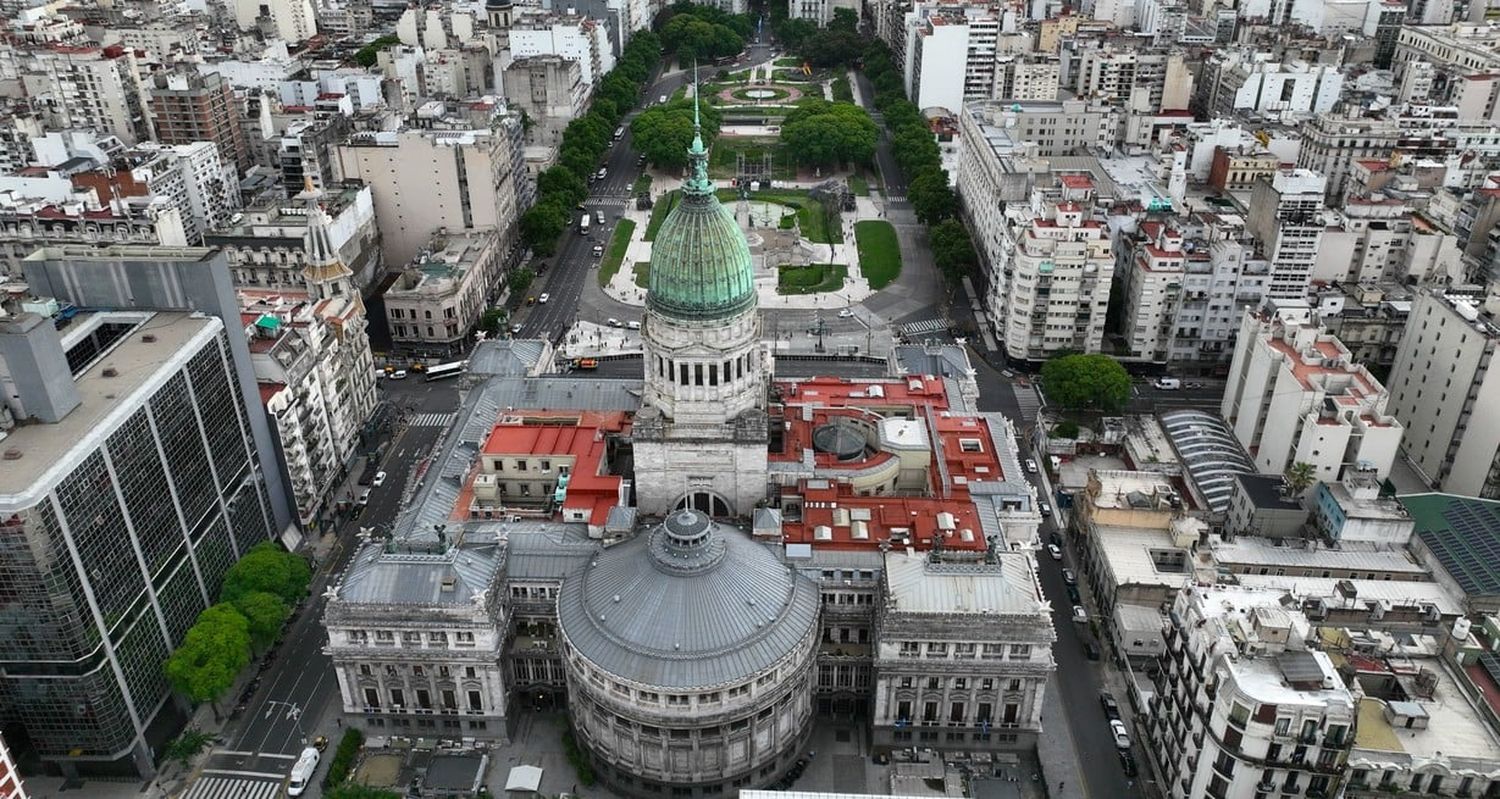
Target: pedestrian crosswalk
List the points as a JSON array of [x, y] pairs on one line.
[[911, 329], [895, 198], [431, 419], [1027, 401], [217, 786]]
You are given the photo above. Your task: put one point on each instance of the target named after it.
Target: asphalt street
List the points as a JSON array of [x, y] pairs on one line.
[[298, 685], [890, 173]]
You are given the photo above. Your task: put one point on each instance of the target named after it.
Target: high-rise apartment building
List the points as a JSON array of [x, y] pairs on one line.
[[947, 42], [1245, 706], [131, 483], [292, 21], [1285, 219], [84, 87], [188, 106], [1137, 79], [576, 38], [460, 179], [188, 177], [1060, 265], [1235, 80], [1444, 392], [1296, 395]]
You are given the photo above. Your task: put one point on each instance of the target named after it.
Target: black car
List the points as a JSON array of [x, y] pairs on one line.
[[1111, 707], [1056, 539], [1074, 595], [1127, 762], [1091, 649]]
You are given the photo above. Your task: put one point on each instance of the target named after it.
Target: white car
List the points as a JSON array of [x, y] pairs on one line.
[[543, 299], [399, 374], [1079, 614], [1054, 551], [612, 322], [598, 250], [1121, 735], [515, 329], [633, 325], [364, 498], [1167, 384], [379, 479], [846, 313], [1069, 577], [1031, 465]]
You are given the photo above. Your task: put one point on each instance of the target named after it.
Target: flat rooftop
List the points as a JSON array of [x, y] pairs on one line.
[[49, 452], [1456, 728]]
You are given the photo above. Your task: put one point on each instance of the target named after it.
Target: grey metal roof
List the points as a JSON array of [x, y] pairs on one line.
[[548, 553], [416, 578], [914, 584], [693, 604], [947, 360], [509, 357], [1209, 450]]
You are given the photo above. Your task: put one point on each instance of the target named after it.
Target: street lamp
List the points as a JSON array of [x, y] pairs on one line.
[[293, 712]]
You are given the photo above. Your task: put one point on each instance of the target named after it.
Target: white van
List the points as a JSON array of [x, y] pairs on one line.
[[302, 772], [1168, 383]]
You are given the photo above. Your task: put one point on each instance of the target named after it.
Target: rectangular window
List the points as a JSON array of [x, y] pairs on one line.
[[372, 697], [398, 697], [450, 699], [475, 703]]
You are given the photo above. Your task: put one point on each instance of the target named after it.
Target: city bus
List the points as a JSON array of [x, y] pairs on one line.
[[444, 371]]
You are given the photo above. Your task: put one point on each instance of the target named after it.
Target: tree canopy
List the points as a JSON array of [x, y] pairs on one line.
[[665, 132], [267, 567], [1086, 382], [931, 197], [820, 132], [214, 650], [542, 224], [952, 250], [265, 612]]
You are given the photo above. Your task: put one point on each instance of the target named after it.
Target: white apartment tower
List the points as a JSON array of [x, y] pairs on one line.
[[1244, 706], [1285, 218], [1061, 264], [1295, 395], [292, 21], [1443, 388]]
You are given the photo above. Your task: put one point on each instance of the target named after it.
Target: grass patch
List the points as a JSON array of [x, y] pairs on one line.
[[642, 272], [811, 279], [616, 251], [879, 252], [664, 205], [859, 185], [787, 62], [745, 94], [723, 158], [642, 185], [791, 76], [815, 227], [842, 91]]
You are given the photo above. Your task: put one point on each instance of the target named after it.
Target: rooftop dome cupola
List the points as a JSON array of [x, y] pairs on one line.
[[700, 261]]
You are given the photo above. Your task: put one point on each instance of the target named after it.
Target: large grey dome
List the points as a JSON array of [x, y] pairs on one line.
[[692, 604]]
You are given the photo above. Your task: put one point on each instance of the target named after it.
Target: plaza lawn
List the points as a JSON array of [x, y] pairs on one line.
[[788, 62], [616, 252], [664, 204], [809, 213], [642, 274], [859, 185], [842, 91], [641, 186], [879, 252], [811, 279]]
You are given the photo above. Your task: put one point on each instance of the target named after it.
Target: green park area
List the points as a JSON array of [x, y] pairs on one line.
[[616, 252], [723, 159], [664, 205], [879, 252], [811, 216], [642, 271], [811, 279]]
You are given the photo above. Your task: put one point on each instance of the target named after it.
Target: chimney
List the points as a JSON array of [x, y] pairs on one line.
[[33, 353]]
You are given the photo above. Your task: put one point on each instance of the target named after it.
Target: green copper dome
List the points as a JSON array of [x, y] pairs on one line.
[[700, 261]]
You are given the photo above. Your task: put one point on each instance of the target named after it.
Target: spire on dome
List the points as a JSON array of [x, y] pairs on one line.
[[319, 243], [697, 183]]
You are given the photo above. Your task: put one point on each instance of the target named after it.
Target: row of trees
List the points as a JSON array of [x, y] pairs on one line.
[[256, 599], [821, 132], [917, 153], [584, 143]]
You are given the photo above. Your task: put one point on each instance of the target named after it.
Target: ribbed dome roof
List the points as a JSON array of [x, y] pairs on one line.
[[689, 605], [700, 261]]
